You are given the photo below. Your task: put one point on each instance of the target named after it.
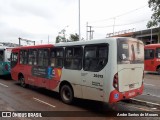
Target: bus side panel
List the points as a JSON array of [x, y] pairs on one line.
[[15, 68], [45, 77], [111, 69], [14, 73], [4, 62], [150, 64], [74, 78], [4, 68], [56, 74]]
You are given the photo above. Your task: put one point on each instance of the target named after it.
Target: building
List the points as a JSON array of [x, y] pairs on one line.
[[148, 36]]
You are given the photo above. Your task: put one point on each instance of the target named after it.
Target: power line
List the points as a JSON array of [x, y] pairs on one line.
[[119, 15]]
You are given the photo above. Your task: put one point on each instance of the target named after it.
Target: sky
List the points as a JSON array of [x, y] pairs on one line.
[[42, 20]]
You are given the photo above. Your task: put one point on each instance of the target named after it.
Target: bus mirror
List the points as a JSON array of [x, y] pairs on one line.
[[9, 59]]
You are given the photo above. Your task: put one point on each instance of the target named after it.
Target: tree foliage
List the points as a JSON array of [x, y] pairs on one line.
[[155, 18], [74, 37], [60, 39]]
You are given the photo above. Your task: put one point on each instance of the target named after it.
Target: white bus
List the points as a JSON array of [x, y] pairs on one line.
[[107, 70]]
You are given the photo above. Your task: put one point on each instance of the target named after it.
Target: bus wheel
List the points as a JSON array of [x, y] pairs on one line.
[[66, 94], [22, 81], [158, 70]]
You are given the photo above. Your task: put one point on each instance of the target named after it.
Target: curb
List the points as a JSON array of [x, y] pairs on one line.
[[144, 103]]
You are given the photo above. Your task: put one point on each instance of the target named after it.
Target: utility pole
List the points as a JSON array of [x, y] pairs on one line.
[[114, 19], [90, 32], [87, 31], [48, 39], [151, 37], [21, 39]]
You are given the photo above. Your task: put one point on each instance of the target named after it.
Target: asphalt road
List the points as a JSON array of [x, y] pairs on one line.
[[151, 88], [15, 98]]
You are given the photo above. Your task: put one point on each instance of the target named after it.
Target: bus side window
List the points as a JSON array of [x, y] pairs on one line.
[[73, 58], [14, 59], [52, 55], [23, 57], [1, 55], [56, 57], [95, 57], [59, 57], [43, 57], [149, 54], [32, 57], [158, 52], [89, 58], [102, 57]]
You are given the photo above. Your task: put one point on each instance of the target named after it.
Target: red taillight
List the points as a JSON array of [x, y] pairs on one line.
[[115, 81]]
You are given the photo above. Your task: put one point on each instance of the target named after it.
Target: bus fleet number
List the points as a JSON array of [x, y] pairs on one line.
[[98, 76]]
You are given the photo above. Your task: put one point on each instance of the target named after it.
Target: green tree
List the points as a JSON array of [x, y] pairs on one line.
[[58, 39], [155, 18], [74, 37]]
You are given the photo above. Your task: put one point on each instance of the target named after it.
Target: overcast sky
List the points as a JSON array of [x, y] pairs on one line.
[[36, 19]]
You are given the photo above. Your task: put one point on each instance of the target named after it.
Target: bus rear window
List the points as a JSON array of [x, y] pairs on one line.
[[129, 51]]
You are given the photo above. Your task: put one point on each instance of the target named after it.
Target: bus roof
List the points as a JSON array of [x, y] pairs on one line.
[[152, 45], [34, 46], [4, 47], [95, 41]]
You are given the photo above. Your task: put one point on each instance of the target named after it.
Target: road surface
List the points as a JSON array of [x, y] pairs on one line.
[[15, 98]]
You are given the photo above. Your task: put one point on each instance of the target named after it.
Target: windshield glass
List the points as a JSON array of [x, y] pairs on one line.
[[130, 51]]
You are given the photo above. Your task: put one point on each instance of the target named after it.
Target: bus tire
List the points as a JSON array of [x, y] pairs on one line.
[[22, 81], [158, 70], [66, 94]]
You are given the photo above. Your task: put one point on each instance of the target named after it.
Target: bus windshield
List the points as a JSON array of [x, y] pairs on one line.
[[129, 52]]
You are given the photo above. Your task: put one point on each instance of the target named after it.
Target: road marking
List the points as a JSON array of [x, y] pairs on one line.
[[140, 108], [3, 85], [149, 84], [146, 102], [36, 99], [151, 95], [154, 108]]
